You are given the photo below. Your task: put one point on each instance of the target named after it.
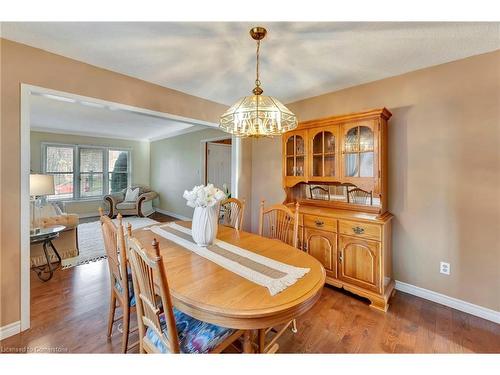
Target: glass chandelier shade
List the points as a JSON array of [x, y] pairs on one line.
[[258, 115]]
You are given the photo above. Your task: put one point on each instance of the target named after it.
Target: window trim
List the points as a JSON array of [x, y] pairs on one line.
[[76, 167]]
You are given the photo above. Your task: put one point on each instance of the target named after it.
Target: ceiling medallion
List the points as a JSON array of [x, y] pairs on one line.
[[258, 115]]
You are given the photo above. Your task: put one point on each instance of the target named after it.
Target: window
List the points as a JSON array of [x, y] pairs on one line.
[[59, 162], [91, 172], [118, 170], [85, 172]]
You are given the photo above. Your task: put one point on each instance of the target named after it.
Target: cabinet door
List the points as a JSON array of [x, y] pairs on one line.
[[360, 145], [359, 262], [323, 154], [322, 245], [294, 157]]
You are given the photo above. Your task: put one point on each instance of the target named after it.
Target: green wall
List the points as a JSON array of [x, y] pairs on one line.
[[176, 165], [139, 154]]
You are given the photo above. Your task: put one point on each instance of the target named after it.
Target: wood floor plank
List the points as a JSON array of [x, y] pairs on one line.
[[69, 314]]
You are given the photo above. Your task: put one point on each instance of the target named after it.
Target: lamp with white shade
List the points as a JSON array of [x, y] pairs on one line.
[[40, 185]]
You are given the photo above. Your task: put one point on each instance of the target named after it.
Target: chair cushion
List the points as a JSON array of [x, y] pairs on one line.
[[126, 206], [131, 195], [195, 336], [131, 295]]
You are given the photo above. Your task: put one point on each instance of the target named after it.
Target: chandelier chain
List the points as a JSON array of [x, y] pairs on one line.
[[257, 81]]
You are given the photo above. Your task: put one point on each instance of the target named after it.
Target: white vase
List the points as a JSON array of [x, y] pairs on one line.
[[205, 224]]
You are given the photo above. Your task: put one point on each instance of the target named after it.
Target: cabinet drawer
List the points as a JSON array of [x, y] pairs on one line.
[[320, 222], [353, 228]]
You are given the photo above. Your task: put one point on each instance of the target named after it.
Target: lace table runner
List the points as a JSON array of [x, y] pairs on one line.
[[275, 276]]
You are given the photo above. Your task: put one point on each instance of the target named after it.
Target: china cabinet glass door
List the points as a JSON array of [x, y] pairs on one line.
[[295, 155], [323, 154], [359, 152]]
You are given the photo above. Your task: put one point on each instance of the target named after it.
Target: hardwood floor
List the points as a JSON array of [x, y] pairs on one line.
[[69, 314]]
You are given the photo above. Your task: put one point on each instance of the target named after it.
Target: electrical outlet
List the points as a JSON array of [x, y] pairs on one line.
[[444, 268]]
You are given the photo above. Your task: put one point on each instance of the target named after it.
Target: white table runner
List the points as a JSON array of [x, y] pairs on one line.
[[275, 276]]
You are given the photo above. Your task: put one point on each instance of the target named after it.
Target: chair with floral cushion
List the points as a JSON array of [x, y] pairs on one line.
[[122, 290], [163, 328]]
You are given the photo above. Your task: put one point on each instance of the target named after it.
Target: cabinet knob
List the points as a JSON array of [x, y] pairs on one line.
[[358, 230], [319, 223], [341, 257]]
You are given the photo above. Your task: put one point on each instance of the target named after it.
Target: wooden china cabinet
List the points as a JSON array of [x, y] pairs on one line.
[[336, 168]]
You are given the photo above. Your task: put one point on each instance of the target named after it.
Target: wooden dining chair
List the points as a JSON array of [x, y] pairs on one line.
[[163, 328], [232, 211], [278, 222], [360, 196], [319, 192], [121, 289]]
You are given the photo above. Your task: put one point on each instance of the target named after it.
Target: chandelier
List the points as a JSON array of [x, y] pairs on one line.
[[258, 115]]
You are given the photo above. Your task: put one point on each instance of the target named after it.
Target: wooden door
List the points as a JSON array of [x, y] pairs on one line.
[[219, 165], [294, 157], [359, 262], [322, 245]]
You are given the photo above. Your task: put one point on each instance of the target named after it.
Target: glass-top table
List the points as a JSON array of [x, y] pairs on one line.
[[45, 237]]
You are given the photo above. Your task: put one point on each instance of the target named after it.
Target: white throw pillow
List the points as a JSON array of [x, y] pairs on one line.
[[131, 195]]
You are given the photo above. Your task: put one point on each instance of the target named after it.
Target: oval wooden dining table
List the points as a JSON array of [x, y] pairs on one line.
[[213, 294]]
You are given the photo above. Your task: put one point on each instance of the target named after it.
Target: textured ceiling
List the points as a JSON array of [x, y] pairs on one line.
[[91, 119], [299, 60]]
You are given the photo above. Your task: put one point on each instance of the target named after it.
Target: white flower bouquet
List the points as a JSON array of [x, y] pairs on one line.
[[204, 200], [203, 196]]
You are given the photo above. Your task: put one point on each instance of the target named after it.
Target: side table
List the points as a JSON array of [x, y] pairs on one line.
[[45, 237]]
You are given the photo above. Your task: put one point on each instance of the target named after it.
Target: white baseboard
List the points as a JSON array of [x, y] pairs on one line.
[[10, 330], [457, 304], [173, 214]]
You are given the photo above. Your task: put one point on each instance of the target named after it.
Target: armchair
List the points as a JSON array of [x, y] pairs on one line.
[[142, 206]]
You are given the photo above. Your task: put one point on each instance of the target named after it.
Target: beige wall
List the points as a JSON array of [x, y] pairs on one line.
[[176, 165], [24, 64], [139, 152], [444, 171], [266, 176]]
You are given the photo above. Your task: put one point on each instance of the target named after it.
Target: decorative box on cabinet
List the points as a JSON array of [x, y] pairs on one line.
[[342, 192]]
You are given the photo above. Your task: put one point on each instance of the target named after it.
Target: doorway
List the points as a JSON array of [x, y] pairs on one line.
[[218, 164], [31, 99]]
